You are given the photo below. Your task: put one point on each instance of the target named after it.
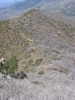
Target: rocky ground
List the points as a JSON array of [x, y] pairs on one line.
[[50, 86]]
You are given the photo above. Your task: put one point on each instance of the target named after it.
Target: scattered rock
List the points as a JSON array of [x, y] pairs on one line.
[[1, 75], [8, 77], [20, 75]]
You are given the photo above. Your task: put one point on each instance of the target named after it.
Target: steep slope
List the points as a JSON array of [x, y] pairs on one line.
[[37, 39], [45, 47]]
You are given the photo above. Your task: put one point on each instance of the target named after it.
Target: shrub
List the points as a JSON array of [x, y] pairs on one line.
[[10, 65], [30, 62], [35, 82], [41, 72], [38, 61]]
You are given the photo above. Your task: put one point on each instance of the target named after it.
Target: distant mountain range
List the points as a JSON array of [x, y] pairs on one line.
[[6, 4], [17, 9], [65, 7]]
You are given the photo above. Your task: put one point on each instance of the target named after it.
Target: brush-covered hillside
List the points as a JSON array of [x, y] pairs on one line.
[[37, 39], [45, 50]]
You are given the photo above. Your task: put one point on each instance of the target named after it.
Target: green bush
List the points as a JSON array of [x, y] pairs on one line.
[[38, 61], [10, 65], [35, 82], [30, 62], [41, 72]]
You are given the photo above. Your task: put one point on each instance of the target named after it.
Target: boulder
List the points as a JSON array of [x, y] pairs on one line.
[[22, 75]]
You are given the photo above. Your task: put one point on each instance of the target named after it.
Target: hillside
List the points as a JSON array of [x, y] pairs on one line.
[[36, 36], [45, 49]]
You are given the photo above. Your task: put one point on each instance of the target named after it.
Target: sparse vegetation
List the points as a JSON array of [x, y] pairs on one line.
[[29, 12], [41, 72], [27, 55], [35, 82], [61, 70], [64, 70], [28, 65], [26, 68], [10, 65], [30, 35], [30, 62], [38, 62], [56, 57]]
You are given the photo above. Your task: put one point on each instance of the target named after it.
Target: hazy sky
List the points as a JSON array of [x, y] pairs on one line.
[[4, 1], [7, 1]]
